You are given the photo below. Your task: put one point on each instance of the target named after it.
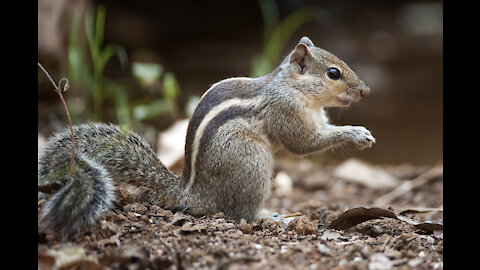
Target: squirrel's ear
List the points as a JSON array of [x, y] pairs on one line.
[[306, 41], [299, 54]]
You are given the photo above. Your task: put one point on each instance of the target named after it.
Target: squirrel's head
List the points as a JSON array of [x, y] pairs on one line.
[[322, 77]]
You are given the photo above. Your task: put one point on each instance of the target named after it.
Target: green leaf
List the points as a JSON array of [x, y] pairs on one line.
[[260, 66], [270, 17], [171, 88], [276, 37], [154, 109], [99, 27], [146, 73], [121, 54], [106, 54]]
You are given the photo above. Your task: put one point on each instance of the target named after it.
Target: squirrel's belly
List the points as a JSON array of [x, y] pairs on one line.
[[233, 170]]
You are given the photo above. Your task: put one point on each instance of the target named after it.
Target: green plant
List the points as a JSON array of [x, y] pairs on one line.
[[87, 61], [151, 76], [88, 75], [99, 57], [277, 33]]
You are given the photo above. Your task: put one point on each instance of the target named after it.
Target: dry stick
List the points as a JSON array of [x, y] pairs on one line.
[[59, 92], [410, 185]]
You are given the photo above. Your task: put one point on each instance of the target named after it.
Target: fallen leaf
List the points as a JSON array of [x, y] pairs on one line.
[[429, 227], [179, 219], [418, 210], [358, 215]]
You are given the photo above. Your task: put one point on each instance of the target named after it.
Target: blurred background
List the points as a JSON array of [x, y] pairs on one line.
[[144, 64]]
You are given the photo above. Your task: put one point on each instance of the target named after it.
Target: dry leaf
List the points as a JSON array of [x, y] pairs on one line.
[[413, 210], [358, 215], [179, 219], [429, 227]]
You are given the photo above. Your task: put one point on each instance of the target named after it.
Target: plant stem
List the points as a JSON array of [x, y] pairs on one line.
[[59, 92]]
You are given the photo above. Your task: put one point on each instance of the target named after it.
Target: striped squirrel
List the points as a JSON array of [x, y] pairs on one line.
[[237, 126]]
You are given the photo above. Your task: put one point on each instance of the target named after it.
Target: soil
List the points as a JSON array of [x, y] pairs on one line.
[[405, 233]]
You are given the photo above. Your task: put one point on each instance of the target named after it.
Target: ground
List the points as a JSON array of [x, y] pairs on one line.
[[329, 217]]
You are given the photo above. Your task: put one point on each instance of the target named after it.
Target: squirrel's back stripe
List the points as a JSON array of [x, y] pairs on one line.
[[240, 88], [242, 106], [220, 119]]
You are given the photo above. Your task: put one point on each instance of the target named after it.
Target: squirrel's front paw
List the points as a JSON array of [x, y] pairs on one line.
[[361, 137]]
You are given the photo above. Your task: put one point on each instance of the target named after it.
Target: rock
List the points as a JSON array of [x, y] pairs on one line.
[[245, 227], [303, 225], [360, 172]]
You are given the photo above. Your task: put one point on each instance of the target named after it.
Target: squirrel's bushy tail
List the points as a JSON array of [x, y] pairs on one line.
[[105, 156], [78, 204]]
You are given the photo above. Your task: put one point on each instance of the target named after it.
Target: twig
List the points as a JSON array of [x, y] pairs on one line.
[[296, 214], [59, 92], [410, 185]]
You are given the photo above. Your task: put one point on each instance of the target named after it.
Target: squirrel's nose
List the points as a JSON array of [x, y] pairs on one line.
[[363, 89]]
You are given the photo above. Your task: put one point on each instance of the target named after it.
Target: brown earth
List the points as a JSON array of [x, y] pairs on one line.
[[404, 231]]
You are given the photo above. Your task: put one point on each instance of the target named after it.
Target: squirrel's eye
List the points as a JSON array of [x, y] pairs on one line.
[[333, 73]]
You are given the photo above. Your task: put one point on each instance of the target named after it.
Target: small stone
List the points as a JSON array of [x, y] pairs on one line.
[[245, 227], [303, 225], [271, 225], [157, 211], [219, 215]]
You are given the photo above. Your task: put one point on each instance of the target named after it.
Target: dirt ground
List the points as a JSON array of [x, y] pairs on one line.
[[394, 221]]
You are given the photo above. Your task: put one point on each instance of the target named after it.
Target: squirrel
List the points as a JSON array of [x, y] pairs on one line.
[[237, 126]]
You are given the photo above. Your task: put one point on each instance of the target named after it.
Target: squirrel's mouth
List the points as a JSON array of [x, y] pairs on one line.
[[345, 100], [350, 96]]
